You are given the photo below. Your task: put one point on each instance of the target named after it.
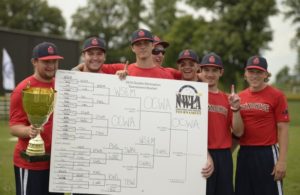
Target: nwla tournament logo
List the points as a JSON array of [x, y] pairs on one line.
[[188, 100]]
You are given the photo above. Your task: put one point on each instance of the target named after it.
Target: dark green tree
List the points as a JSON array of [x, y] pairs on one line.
[[294, 13], [102, 18], [283, 75], [185, 34], [31, 15], [112, 20], [162, 15], [283, 79], [238, 30], [134, 8]]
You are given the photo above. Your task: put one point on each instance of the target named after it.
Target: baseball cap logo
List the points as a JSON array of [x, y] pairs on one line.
[[186, 53], [212, 59], [255, 60], [50, 50], [94, 41], [141, 33]]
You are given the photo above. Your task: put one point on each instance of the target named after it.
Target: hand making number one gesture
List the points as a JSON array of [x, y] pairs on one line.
[[123, 73], [234, 100]]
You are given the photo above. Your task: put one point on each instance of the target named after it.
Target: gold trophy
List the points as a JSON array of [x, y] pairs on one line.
[[38, 103]]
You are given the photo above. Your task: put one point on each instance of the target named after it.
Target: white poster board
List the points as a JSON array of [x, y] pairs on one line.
[[136, 136]]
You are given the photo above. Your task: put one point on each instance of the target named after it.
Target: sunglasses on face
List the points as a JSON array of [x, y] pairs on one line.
[[156, 51]]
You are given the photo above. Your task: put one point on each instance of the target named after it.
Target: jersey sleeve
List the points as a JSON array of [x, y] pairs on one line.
[[176, 74], [281, 109], [112, 68], [17, 114]]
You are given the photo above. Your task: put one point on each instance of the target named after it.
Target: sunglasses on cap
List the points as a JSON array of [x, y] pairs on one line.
[[157, 51]]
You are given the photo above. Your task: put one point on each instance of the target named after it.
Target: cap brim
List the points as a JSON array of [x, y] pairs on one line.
[[213, 65], [141, 39], [54, 57], [187, 58], [163, 43], [256, 67], [92, 48]]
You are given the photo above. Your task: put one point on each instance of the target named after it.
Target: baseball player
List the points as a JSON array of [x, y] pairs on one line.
[[94, 56], [158, 55], [142, 45], [219, 178], [32, 178], [261, 164], [223, 116], [159, 50]]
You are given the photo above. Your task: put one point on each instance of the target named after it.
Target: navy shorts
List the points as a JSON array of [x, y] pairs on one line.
[[253, 173], [221, 181], [32, 182]]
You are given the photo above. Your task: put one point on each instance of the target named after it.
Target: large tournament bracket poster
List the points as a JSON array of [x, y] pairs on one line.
[[128, 137]]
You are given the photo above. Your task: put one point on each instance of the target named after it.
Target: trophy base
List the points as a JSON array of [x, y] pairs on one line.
[[44, 157]]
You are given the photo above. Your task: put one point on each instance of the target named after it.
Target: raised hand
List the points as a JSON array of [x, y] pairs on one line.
[[234, 100], [123, 73]]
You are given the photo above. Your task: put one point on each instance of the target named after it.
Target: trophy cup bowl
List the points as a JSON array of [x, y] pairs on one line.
[[38, 104]]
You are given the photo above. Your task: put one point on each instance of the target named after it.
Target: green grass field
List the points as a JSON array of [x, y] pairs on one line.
[[7, 184], [291, 182]]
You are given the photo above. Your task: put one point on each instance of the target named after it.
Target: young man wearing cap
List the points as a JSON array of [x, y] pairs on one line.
[[261, 165], [158, 55], [142, 45], [223, 114], [94, 56], [32, 178], [159, 50], [187, 63]]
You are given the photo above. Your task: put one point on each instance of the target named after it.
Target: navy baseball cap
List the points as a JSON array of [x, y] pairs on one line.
[[45, 51], [212, 59], [188, 54], [141, 34], [158, 41], [94, 42], [257, 62]]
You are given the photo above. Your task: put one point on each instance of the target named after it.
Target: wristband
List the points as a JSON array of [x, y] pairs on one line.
[[233, 109]]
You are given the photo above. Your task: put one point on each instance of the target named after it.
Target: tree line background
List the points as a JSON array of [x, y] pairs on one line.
[[236, 29]]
